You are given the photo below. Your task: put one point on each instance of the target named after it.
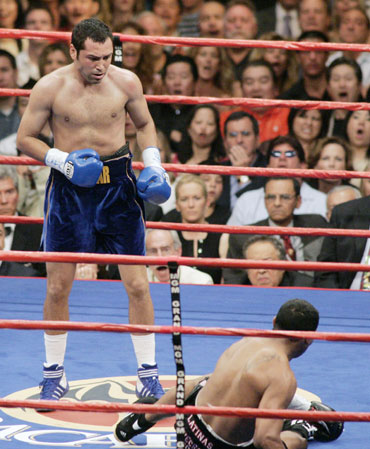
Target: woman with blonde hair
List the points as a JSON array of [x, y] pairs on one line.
[[191, 202], [282, 61]]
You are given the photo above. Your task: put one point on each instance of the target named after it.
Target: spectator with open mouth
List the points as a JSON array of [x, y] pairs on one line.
[[344, 84]]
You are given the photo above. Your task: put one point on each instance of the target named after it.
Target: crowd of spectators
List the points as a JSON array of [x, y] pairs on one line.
[[228, 136]]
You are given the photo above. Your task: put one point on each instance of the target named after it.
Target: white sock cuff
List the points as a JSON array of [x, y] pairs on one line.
[[144, 348], [55, 348]]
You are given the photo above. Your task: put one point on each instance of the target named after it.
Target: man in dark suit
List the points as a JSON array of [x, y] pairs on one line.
[[21, 237], [282, 196], [241, 140], [350, 215], [280, 16]]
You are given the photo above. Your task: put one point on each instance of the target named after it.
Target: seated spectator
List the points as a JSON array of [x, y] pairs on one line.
[[340, 194], [282, 61], [20, 237], [211, 19], [259, 81], [191, 202], [307, 127], [314, 15], [179, 77], [136, 56], [9, 116], [344, 84], [353, 28], [240, 22], [350, 215], [170, 12], [124, 11], [279, 17], [241, 141], [264, 247], [73, 11], [189, 19], [365, 183], [202, 141], [282, 198], [283, 152], [312, 83], [215, 213], [331, 153], [162, 243], [215, 74], [54, 56], [14, 268], [12, 17], [37, 17], [357, 134]]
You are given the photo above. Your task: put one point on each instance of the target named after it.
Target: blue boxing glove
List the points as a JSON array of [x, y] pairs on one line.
[[153, 184], [81, 167]]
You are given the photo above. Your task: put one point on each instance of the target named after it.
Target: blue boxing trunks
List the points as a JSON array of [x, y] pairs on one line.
[[106, 218], [200, 435]]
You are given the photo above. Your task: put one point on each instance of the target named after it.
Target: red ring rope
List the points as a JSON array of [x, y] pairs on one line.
[[194, 41], [39, 256], [218, 411], [222, 228], [252, 102], [190, 330], [223, 170]]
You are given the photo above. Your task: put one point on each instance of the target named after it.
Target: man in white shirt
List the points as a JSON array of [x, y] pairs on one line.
[[163, 243], [283, 152]]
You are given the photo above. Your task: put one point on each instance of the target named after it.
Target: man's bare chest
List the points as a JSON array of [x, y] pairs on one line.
[[99, 109]]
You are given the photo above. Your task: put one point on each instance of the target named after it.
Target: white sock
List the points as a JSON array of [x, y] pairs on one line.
[[299, 403], [55, 348], [144, 347]]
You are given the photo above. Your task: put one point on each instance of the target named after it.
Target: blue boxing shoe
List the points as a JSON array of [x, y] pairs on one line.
[[54, 385], [148, 384]]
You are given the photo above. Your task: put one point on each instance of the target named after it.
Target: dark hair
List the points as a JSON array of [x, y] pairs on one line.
[[91, 28], [260, 63], [313, 34], [277, 244], [10, 57], [296, 184], [345, 127], [294, 112], [181, 58], [217, 148], [38, 5], [239, 115], [289, 140], [297, 315], [345, 61]]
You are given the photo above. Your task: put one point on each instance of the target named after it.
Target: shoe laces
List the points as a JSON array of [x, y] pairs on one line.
[[153, 384], [49, 386]]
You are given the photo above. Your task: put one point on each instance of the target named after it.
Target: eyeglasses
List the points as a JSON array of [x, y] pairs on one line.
[[289, 153], [283, 197]]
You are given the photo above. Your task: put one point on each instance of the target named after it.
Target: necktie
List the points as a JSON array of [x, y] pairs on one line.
[[287, 28], [365, 280], [8, 230], [288, 247]]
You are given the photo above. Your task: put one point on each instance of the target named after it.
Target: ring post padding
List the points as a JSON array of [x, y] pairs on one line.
[[178, 354]]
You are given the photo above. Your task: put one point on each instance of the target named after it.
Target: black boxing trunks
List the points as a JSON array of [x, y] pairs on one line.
[[106, 218], [199, 435]]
